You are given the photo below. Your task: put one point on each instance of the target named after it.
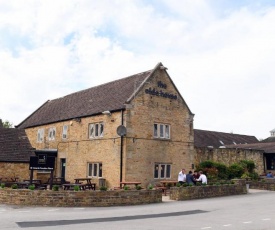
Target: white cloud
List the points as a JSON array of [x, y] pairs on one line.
[[220, 58]]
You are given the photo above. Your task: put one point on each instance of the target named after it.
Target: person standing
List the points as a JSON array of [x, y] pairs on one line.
[[182, 177], [202, 178], [190, 178]]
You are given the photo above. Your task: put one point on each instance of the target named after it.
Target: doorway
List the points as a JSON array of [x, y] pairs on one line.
[[63, 167]]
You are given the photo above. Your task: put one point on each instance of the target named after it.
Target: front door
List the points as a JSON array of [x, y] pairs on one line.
[[63, 167]]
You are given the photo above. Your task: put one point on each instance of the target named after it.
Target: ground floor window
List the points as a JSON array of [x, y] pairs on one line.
[[95, 169], [162, 171]]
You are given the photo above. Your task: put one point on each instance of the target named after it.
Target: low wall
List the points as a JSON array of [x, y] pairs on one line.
[[78, 198], [200, 192], [262, 185]]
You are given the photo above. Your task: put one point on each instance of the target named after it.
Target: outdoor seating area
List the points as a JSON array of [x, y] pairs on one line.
[[129, 183], [82, 183], [24, 184]]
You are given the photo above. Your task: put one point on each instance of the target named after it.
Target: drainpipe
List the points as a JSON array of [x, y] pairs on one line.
[[121, 149]]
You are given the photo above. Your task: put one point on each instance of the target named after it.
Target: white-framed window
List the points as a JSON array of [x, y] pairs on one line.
[[52, 132], [162, 171], [162, 131], [96, 130], [65, 131], [95, 169], [40, 135]]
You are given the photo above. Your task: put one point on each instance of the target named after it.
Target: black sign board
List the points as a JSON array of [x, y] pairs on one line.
[[42, 162]]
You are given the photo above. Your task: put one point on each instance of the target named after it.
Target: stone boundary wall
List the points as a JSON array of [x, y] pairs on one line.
[[78, 198], [201, 192], [266, 185], [229, 156]]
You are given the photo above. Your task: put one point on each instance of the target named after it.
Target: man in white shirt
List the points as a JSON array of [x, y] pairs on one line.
[[182, 176], [202, 178]]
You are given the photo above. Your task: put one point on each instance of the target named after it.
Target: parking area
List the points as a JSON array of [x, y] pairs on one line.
[[252, 211]]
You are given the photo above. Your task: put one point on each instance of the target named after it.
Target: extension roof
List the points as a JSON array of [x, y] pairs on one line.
[[111, 96], [14, 145], [204, 138], [269, 139], [266, 147]]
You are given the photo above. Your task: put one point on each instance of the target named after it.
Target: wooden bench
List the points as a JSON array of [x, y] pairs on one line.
[[161, 187]]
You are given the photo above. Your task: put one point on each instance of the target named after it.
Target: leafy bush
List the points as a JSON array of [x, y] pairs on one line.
[[55, 187], [222, 170], [235, 171], [2, 185], [126, 187], [76, 188], [31, 187], [248, 165], [150, 187], [14, 186], [206, 164], [138, 187], [254, 175], [213, 170], [103, 188], [178, 184]]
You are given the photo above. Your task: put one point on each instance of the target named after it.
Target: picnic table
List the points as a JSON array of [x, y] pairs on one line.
[[88, 185], [124, 183], [71, 186], [35, 181], [167, 182], [9, 179], [57, 181]]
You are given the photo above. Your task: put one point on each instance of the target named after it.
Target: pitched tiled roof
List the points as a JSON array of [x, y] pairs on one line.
[[204, 138], [269, 139], [110, 96], [14, 145], [266, 147]]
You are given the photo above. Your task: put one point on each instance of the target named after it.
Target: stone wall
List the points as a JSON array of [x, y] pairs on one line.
[[79, 198], [11, 169], [230, 156], [200, 192], [262, 185]]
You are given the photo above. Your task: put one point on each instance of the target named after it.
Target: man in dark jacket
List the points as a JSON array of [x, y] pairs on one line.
[[189, 178]]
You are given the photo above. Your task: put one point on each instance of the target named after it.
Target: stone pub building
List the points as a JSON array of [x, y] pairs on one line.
[[138, 128]]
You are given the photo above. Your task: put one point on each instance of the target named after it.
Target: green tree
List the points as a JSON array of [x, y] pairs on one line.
[[5, 124]]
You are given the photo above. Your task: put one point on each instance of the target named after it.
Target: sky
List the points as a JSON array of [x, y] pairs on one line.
[[219, 54]]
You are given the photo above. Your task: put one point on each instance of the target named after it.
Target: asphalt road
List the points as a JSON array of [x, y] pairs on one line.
[[255, 210]]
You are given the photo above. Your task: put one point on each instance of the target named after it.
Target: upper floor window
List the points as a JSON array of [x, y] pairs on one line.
[[162, 131], [65, 132], [96, 130], [162, 171], [95, 169], [52, 133], [40, 135]]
